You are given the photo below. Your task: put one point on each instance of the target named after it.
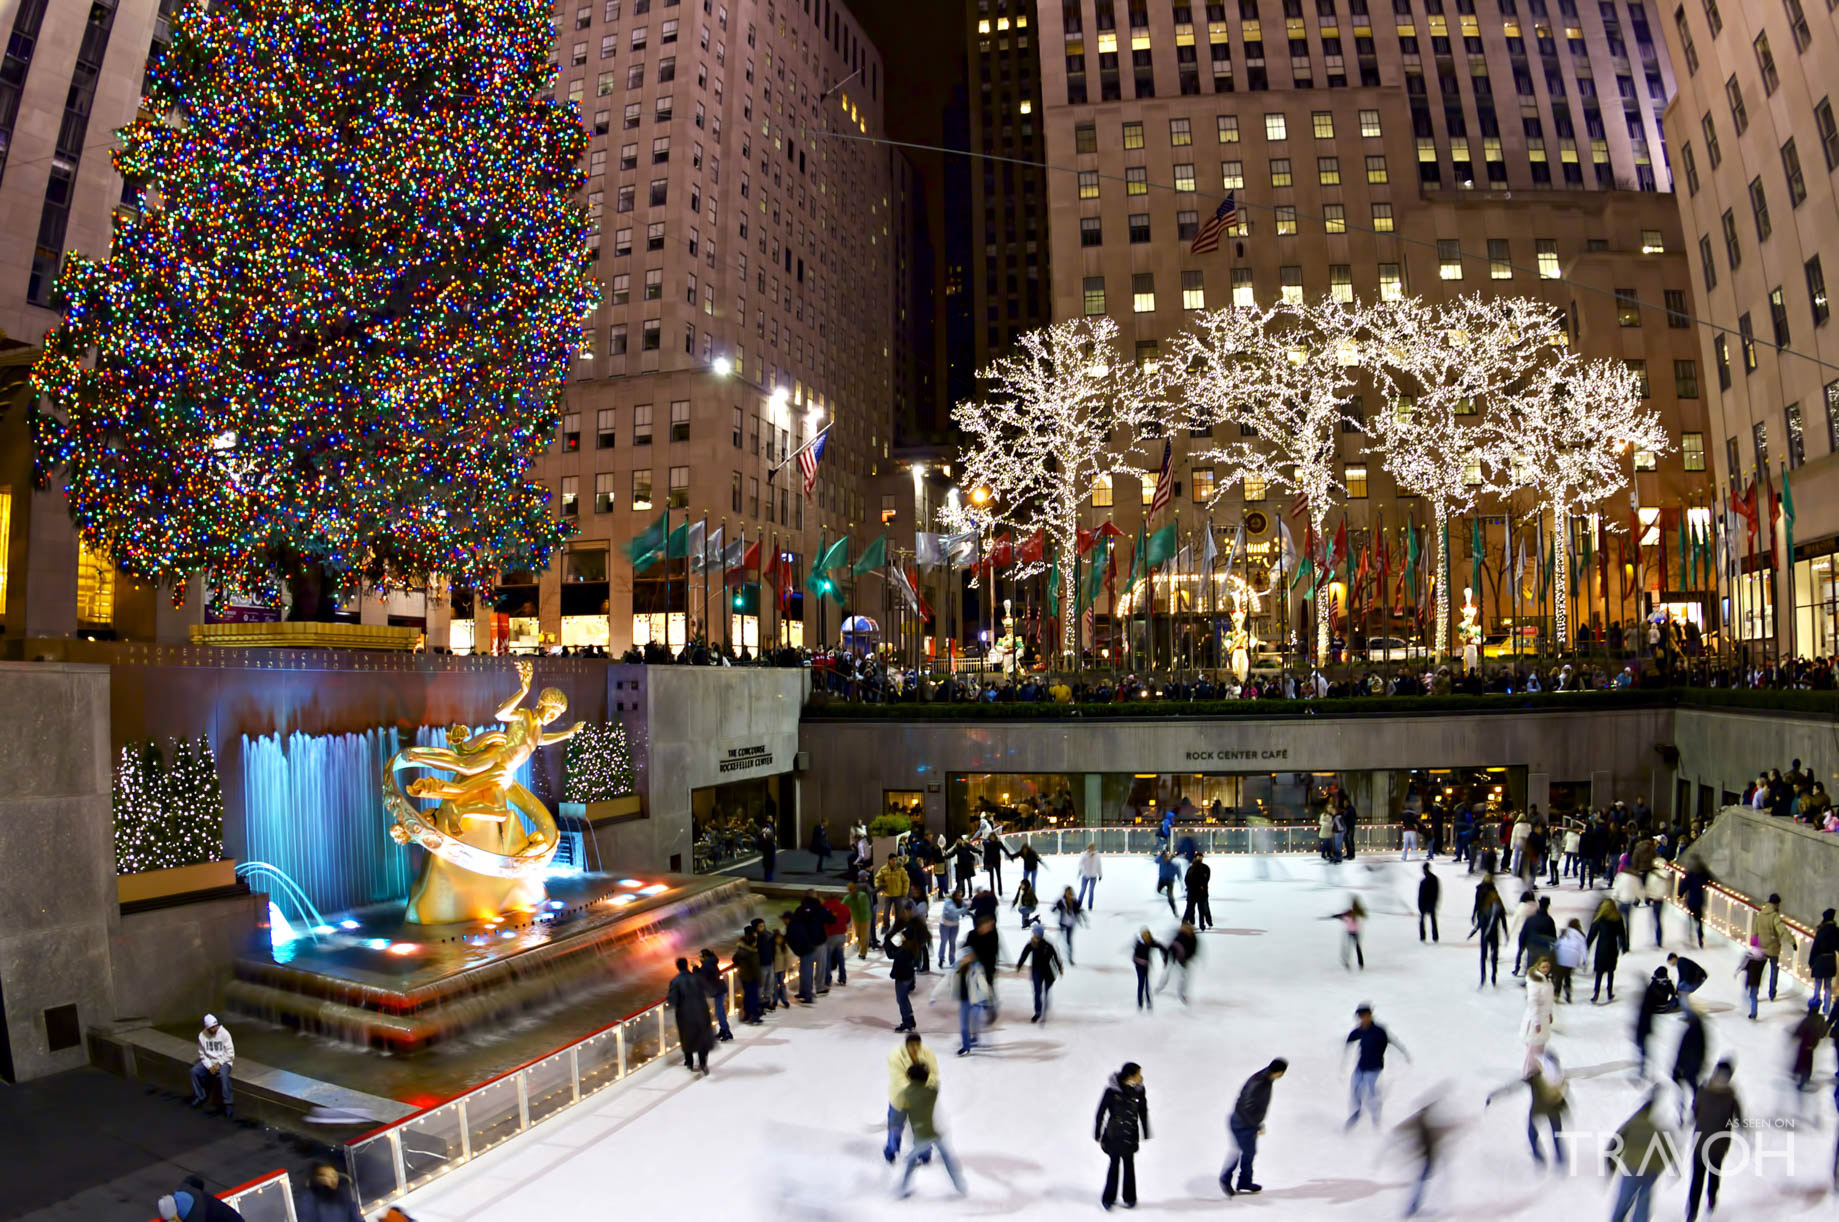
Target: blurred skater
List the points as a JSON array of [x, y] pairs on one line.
[[1372, 1040], [1716, 1111], [1141, 952], [1046, 969], [1545, 1083], [1429, 891]]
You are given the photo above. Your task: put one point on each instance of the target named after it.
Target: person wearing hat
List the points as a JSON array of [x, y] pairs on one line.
[[1121, 1125], [216, 1056], [193, 1204]]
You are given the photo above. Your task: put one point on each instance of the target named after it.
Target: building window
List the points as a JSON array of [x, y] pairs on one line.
[[569, 504], [1369, 124], [1686, 379], [1354, 476], [1733, 249], [1376, 169], [1133, 135], [1639, 369], [1797, 24], [1229, 129], [1101, 491], [1142, 293], [1094, 295], [1091, 232], [1816, 292], [1290, 280], [679, 487], [1692, 451], [1500, 260], [1136, 180], [1146, 487], [1748, 335], [1548, 258], [1085, 138], [1088, 184], [1328, 171], [1280, 171], [1187, 224], [571, 430], [1242, 291], [1201, 480], [1720, 350], [1341, 282], [1285, 216], [1829, 132], [734, 492], [1791, 169], [1691, 164], [1628, 309], [1391, 282], [1707, 265], [1759, 208], [604, 494], [1232, 175], [1253, 488], [680, 420], [1791, 421], [1184, 178], [1275, 128], [1765, 65], [1759, 439], [1710, 130], [1180, 133], [1382, 218], [1739, 116], [1334, 218], [641, 424], [1832, 416], [1193, 292], [1646, 460], [654, 284], [736, 433], [1449, 259], [641, 489], [1322, 123], [1677, 318]]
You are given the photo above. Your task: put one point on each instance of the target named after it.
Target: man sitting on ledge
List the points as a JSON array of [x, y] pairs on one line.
[[216, 1054]]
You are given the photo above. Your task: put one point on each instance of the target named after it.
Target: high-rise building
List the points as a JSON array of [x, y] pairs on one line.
[[1755, 144], [743, 231], [72, 74], [1377, 149]]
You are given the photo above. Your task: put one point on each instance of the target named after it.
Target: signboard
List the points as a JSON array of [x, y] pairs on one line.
[[745, 759]]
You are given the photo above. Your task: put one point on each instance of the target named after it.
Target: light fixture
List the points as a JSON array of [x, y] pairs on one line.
[[721, 366]]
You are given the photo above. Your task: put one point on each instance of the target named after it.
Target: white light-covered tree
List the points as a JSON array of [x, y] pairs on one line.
[[1569, 435], [1286, 375], [1451, 365], [1064, 408]]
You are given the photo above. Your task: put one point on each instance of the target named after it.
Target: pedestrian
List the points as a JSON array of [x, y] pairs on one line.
[[919, 1101], [1750, 971], [951, 914], [1655, 890], [1823, 960], [836, 934], [820, 845], [1199, 877], [1488, 919], [216, 1059], [769, 852], [324, 1197], [1069, 915], [1641, 1153], [192, 1203], [1140, 952], [861, 914], [993, 859], [783, 961], [1807, 1035], [1656, 999], [1025, 902], [1045, 970], [1166, 872], [1536, 1021], [709, 971], [901, 970], [689, 1002], [1568, 955], [1688, 1056], [1353, 920], [1692, 886], [1246, 1123], [1183, 948], [1545, 1083], [1122, 1124], [1716, 1112], [1609, 935], [747, 970], [1372, 1041], [1091, 869], [965, 984], [1516, 928], [1689, 973], [892, 884], [1429, 889], [1775, 935], [910, 1053]]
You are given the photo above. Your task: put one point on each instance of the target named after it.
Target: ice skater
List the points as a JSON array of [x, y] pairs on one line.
[[1182, 950], [1046, 969], [1642, 1152], [1122, 1124], [1025, 902], [1609, 935], [965, 984], [1656, 999], [909, 1054], [951, 915], [1091, 869], [1545, 1083], [1716, 1111], [1166, 873], [1425, 1135], [1246, 1123], [1569, 956], [1070, 914], [1141, 952], [1489, 920], [1372, 1041], [1430, 891], [1536, 1022], [919, 1101], [1750, 971], [1199, 876], [1353, 920], [1688, 1057]]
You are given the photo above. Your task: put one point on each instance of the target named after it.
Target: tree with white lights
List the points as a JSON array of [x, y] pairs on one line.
[[1064, 408], [1569, 436], [1452, 364], [1286, 375]]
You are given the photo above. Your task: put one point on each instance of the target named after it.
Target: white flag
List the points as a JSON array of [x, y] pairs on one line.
[[1208, 552], [928, 549], [735, 553], [1238, 545], [692, 545], [902, 583], [961, 549], [1289, 546], [712, 550]]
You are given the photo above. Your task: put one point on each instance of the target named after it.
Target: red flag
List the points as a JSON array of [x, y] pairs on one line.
[[750, 560], [1002, 553], [1360, 573], [1085, 540], [1384, 562], [1745, 506], [1339, 552], [1034, 548], [913, 580]]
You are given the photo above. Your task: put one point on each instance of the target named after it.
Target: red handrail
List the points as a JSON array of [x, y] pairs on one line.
[[257, 1182]]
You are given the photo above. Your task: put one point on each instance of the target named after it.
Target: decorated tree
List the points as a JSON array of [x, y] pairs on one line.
[[1569, 436], [599, 764], [1285, 375], [1451, 364], [1064, 408], [329, 344]]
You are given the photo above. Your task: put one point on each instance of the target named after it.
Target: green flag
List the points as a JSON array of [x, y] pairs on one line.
[[647, 547], [837, 557], [679, 542], [1411, 559], [1787, 520], [819, 581], [1305, 569], [1137, 555], [1053, 583], [874, 557], [1475, 550], [1162, 546], [1094, 574]]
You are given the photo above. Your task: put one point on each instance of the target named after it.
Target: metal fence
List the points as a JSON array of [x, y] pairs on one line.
[[1219, 839], [401, 1157]]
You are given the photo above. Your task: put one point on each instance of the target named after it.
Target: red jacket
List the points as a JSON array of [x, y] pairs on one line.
[[836, 918]]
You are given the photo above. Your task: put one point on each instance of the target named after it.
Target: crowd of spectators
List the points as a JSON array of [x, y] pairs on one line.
[[1799, 796]]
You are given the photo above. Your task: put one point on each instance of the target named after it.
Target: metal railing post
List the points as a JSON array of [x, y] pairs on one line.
[[574, 1073], [523, 1102], [402, 1178], [619, 1041], [466, 1135], [662, 1046]]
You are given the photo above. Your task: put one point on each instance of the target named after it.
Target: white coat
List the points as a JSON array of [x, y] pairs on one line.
[[1627, 889], [1090, 866], [1536, 1022]]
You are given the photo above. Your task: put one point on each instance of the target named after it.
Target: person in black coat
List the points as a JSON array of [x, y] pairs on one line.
[[708, 969], [1246, 1122], [1657, 998], [1609, 934], [1689, 1060], [1200, 876], [984, 941], [192, 1203], [1046, 969], [1823, 960], [1539, 933], [1122, 1124], [689, 1001], [964, 861], [993, 861], [1141, 951], [1429, 890], [324, 1198]]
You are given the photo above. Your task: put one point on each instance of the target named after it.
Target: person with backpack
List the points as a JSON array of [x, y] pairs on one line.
[[1120, 1128]]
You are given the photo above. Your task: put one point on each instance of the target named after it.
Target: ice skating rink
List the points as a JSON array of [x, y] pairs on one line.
[[791, 1121]]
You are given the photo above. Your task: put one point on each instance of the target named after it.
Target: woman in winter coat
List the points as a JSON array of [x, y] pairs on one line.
[[1141, 952], [1569, 953], [1069, 914], [688, 998], [1516, 929], [1488, 919], [1122, 1124], [1609, 934], [1536, 1022], [951, 914], [1750, 971], [1091, 869], [1823, 959]]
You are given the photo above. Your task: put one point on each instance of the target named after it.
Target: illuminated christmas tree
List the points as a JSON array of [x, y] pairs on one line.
[[168, 812], [329, 344], [599, 764]]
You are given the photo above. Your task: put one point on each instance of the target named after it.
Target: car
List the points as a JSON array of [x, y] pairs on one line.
[[1393, 649], [1503, 645]]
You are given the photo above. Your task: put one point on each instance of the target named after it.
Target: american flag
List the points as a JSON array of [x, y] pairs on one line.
[[1165, 481], [808, 459], [1207, 238]]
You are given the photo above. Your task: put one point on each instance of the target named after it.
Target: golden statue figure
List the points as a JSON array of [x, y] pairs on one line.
[[490, 839]]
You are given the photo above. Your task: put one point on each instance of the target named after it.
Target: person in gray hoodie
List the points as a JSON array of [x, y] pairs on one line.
[[216, 1057]]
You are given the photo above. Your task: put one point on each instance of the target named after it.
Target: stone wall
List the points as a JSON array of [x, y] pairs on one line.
[[57, 855], [1723, 751], [1756, 855], [170, 964]]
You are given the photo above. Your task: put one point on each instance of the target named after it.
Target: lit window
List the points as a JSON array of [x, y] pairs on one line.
[[1382, 218], [1202, 482], [1391, 282], [1628, 309], [1285, 215], [1639, 369], [1254, 488], [641, 489], [1184, 178], [1291, 280], [1449, 259], [1094, 295], [1548, 258], [1369, 124], [1133, 135], [1376, 169], [1180, 133], [1232, 175], [1275, 128], [1692, 451], [1146, 484], [1652, 243], [1101, 491], [1500, 261], [1242, 292], [1088, 184], [1328, 171], [1136, 180], [1143, 293], [1323, 123], [1280, 171], [1229, 129], [1354, 476], [1334, 218], [1193, 292]]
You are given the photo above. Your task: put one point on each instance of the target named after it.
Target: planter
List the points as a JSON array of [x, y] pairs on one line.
[[305, 635], [626, 807], [180, 880]]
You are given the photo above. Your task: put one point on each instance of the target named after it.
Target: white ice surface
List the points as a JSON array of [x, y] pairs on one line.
[[790, 1123]]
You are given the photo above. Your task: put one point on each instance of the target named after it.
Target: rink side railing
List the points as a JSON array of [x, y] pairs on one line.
[[1734, 914], [388, 1163], [1220, 839], [268, 1198]]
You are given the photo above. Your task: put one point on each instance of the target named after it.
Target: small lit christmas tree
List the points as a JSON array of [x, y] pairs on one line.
[[331, 341], [599, 764], [169, 812]]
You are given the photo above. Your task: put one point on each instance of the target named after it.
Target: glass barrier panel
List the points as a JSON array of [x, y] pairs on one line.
[[549, 1085], [599, 1061], [641, 1040], [372, 1167], [661, 1021], [431, 1145], [491, 1115], [266, 1202]]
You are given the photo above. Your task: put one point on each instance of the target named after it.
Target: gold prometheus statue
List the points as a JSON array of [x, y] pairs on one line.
[[490, 839]]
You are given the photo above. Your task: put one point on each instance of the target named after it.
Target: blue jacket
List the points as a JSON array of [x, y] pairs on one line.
[[1166, 871], [1168, 821]]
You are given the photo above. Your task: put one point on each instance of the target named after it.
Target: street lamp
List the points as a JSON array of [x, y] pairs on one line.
[[980, 496]]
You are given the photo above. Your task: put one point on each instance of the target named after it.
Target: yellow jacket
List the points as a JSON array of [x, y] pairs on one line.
[[891, 879], [898, 1061]]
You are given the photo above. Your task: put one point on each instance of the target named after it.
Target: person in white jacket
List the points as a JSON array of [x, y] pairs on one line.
[[1536, 1022], [1522, 829], [1657, 889], [965, 984], [1091, 869], [1627, 893], [1570, 954], [216, 1055]]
